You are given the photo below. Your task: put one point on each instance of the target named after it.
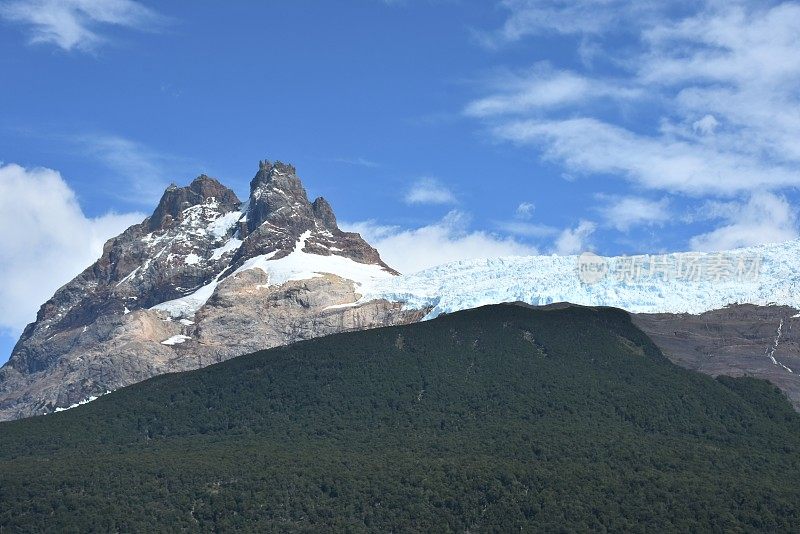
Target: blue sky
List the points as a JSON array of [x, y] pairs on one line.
[[439, 129]]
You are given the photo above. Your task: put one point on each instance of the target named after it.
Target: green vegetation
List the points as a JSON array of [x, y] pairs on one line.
[[495, 419]]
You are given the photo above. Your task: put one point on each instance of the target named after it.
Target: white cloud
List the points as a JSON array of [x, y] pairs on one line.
[[76, 24], [429, 191], [541, 89], [597, 18], [527, 229], [706, 126], [525, 210], [46, 240], [623, 213], [575, 240], [764, 218], [414, 249], [717, 79], [544, 88], [590, 146], [585, 17]]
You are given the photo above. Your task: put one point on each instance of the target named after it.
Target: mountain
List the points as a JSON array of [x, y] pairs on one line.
[[204, 278], [729, 313], [207, 277], [501, 418]]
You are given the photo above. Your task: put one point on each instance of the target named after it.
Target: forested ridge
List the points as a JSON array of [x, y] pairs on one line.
[[494, 419]]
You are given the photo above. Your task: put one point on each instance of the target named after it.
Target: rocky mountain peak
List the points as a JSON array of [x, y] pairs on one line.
[[279, 213], [204, 278], [176, 200], [276, 176], [277, 195], [323, 212]]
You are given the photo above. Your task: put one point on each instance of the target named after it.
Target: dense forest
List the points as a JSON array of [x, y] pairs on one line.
[[500, 418]]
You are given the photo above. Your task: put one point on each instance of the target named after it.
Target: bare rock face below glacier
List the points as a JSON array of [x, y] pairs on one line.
[[204, 279], [738, 340]]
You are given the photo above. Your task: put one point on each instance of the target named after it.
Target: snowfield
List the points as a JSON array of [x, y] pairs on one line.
[[299, 265]]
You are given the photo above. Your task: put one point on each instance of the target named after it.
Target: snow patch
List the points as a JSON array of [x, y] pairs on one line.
[[176, 340], [230, 245], [187, 306], [192, 259], [87, 400], [299, 265], [128, 277], [342, 306], [220, 227], [771, 349]]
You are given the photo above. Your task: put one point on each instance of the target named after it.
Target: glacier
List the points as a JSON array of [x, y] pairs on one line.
[[687, 282]]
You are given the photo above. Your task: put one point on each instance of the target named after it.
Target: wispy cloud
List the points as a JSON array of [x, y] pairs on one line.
[[723, 75], [139, 172], [525, 210], [591, 146], [359, 161], [526, 229], [570, 17], [625, 212], [544, 88], [78, 24], [428, 190]]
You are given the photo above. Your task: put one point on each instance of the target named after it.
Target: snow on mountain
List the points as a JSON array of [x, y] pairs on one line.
[[677, 283], [87, 400], [297, 265], [176, 340], [300, 265]]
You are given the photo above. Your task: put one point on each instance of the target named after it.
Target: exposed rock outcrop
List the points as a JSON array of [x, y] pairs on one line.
[[739, 340]]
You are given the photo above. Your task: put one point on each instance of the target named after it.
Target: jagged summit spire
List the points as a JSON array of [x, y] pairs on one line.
[[277, 192], [267, 165], [324, 213], [268, 172], [279, 212], [176, 199]]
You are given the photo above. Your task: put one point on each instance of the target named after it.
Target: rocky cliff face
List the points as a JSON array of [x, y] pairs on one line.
[[739, 340], [204, 278]]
